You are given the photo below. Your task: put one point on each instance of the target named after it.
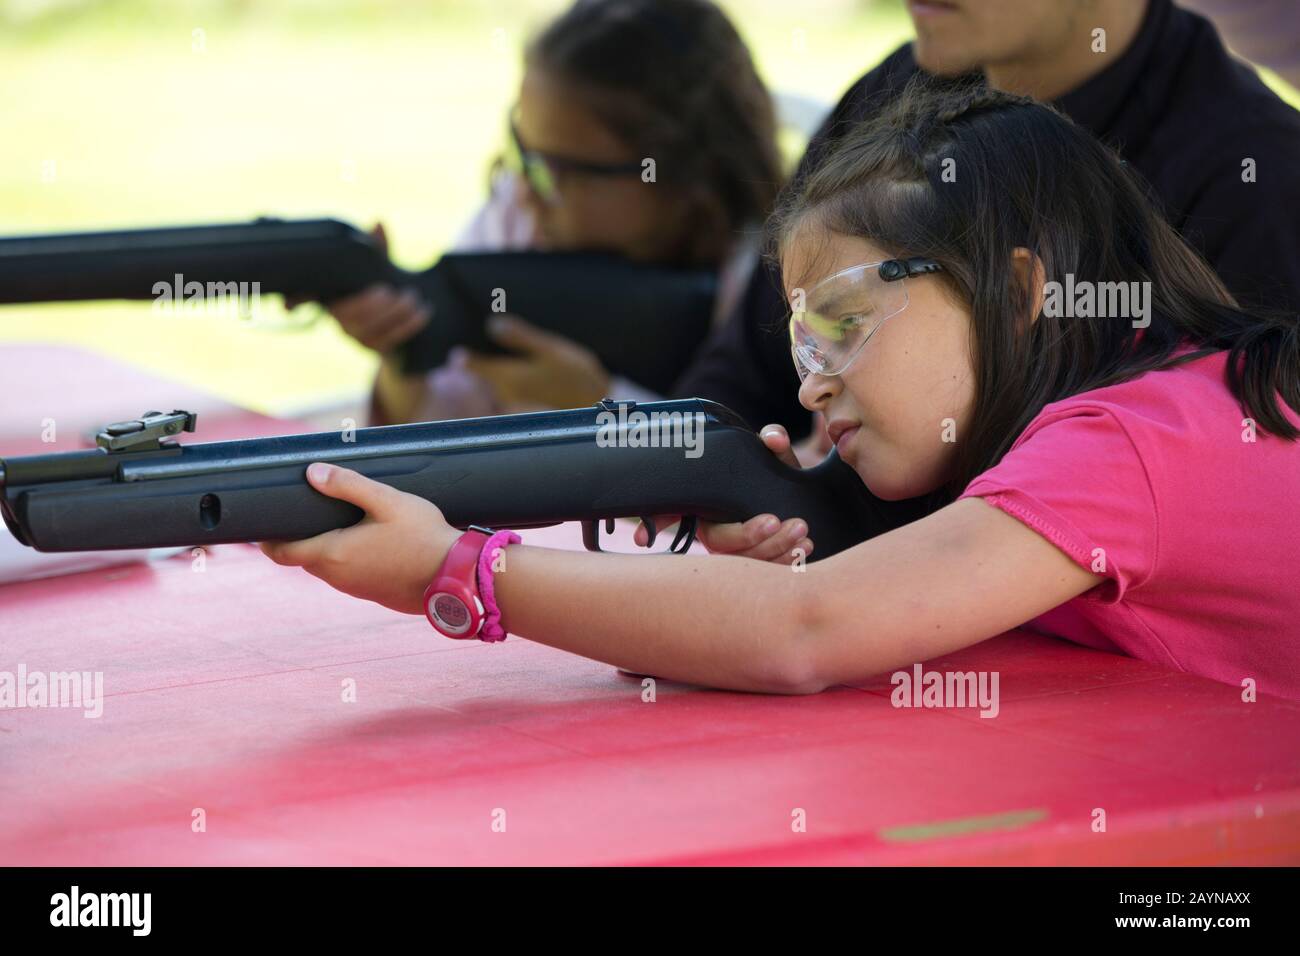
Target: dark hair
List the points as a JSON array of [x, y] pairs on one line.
[[1026, 176], [674, 80]]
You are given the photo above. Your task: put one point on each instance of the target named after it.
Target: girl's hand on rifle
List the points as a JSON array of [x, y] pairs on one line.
[[389, 557], [551, 371], [764, 537], [379, 317]]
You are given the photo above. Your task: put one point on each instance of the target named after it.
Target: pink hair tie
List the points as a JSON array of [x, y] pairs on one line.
[[492, 629]]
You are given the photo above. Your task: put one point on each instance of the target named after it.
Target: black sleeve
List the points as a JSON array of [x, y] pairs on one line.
[[1250, 231], [746, 362]]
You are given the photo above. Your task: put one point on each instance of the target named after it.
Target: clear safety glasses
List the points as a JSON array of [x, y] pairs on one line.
[[831, 323], [543, 171]]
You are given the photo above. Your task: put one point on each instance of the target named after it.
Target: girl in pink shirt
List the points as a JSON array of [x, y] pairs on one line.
[[986, 308]]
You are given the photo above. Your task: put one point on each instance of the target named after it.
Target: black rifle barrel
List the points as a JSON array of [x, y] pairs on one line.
[[317, 258]]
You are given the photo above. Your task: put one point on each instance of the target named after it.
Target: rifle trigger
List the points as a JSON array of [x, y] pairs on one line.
[[651, 531], [591, 534], [685, 535]]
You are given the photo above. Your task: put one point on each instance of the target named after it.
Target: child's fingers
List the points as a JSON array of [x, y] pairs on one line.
[[642, 537], [779, 546], [373, 497], [373, 313], [381, 314], [777, 439], [359, 310], [404, 327], [514, 333], [503, 373], [510, 331], [801, 549], [297, 554], [738, 537]]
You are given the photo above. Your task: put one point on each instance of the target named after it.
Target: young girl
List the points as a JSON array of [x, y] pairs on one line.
[[606, 85], [1124, 466]]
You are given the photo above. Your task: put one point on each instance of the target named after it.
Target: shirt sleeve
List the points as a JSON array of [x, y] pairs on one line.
[[1076, 477]]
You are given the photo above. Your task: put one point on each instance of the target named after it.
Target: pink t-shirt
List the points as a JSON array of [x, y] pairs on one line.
[[1153, 485]]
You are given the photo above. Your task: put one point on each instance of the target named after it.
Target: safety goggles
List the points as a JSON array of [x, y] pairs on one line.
[[831, 323], [544, 171]]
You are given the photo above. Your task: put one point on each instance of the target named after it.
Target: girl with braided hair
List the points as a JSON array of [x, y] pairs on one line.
[[987, 308]]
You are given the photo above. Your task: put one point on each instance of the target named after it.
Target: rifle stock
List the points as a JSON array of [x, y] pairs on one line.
[[515, 471]]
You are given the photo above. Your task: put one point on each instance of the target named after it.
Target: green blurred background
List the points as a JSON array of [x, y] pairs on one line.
[[124, 113], [128, 113]]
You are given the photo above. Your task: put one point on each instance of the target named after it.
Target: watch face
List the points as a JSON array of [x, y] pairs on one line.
[[449, 612]]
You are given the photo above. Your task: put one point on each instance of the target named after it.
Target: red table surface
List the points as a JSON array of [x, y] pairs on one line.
[[225, 692]]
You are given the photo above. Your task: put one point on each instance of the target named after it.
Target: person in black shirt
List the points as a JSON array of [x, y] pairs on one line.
[[1219, 149]]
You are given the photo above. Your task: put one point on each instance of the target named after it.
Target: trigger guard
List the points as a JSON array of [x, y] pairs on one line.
[[685, 535], [591, 533]]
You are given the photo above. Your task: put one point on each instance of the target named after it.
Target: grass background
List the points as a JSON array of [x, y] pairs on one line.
[[121, 113]]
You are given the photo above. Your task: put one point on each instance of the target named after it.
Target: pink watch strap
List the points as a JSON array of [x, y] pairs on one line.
[[492, 629]]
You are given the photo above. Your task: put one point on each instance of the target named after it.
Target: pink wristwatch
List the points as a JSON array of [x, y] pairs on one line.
[[460, 602]]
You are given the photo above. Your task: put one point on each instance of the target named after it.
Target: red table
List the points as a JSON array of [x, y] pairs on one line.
[[225, 693]]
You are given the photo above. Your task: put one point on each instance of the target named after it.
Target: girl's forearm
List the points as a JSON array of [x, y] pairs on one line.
[[961, 575], [721, 621]]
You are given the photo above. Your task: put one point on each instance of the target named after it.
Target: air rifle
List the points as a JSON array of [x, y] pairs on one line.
[[643, 321], [141, 489]]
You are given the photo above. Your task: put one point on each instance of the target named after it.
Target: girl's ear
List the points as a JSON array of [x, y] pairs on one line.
[[1031, 276]]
